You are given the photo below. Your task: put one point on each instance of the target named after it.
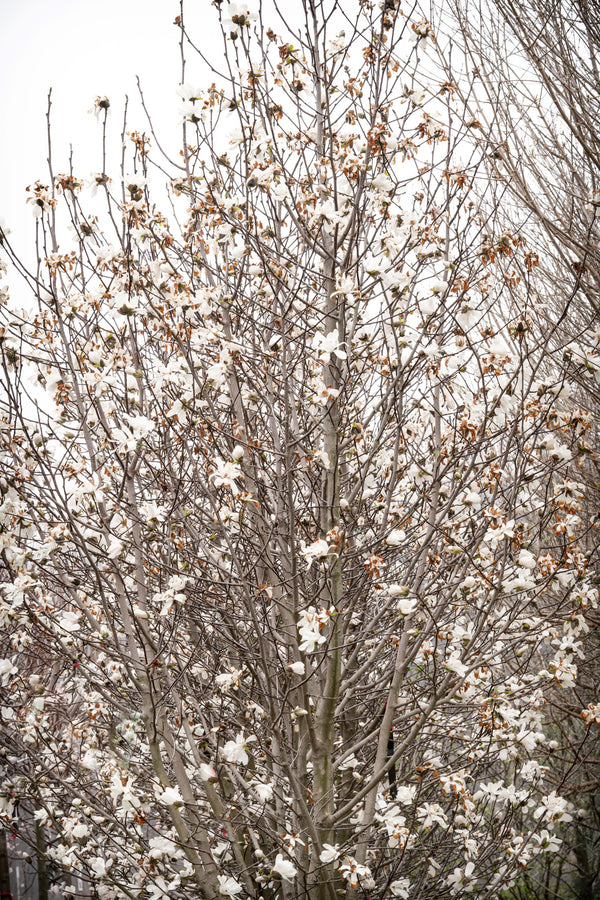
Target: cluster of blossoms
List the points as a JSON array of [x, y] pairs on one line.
[[311, 628]]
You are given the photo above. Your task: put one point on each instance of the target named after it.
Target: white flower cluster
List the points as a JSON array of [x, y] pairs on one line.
[[172, 595], [311, 625]]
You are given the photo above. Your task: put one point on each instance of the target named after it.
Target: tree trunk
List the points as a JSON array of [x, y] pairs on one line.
[[5, 893], [42, 871]]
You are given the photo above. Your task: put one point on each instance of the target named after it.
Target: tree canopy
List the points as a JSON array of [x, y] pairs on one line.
[[297, 509]]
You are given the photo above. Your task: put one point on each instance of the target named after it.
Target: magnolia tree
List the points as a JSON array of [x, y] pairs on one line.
[[290, 505], [538, 106]]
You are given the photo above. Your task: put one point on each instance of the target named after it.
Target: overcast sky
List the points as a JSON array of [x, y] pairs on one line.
[[81, 49]]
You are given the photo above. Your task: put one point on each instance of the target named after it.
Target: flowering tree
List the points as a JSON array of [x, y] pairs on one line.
[[290, 531], [543, 145]]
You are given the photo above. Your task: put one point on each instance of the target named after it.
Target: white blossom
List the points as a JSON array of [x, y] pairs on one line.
[[400, 888], [352, 871], [235, 751], [328, 344], [169, 796], [264, 791], [228, 886], [432, 814], [329, 853], [283, 867], [454, 664], [317, 550], [461, 880], [553, 809], [311, 625], [396, 538], [298, 668], [69, 621], [7, 668]]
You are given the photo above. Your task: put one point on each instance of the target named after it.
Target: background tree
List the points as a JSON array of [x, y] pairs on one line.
[[291, 539], [539, 109]]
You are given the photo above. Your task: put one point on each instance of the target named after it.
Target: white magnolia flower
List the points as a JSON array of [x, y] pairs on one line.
[[400, 888], [188, 91], [238, 17], [553, 809], [193, 105], [351, 871], [397, 590], [151, 510], [141, 426], [235, 751], [395, 825], [432, 814], [521, 581], [395, 538], [40, 815], [228, 886], [326, 214], [317, 550], [89, 761], [327, 344], [283, 867], [405, 793], [69, 621], [461, 880], [438, 287], [134, 192], [428, 305], [417, 97], [170, 796], [6, 670], [382, 182], [99, 866], [527, 560], [374, 265], [591, 714], [225, 474], [323, 458], [162, 846], [547, 843], [178, 582], [217, 850], [7, 807], [161, 889], [530, 739], [532, 770], [455, 664], [280, 191], [230, 679], [407, 605], [310, 627], [329, 853], [115, 548], [298, 668], [264, 791]]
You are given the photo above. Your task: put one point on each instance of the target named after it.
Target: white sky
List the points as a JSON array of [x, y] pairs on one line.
[[82, 49]]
